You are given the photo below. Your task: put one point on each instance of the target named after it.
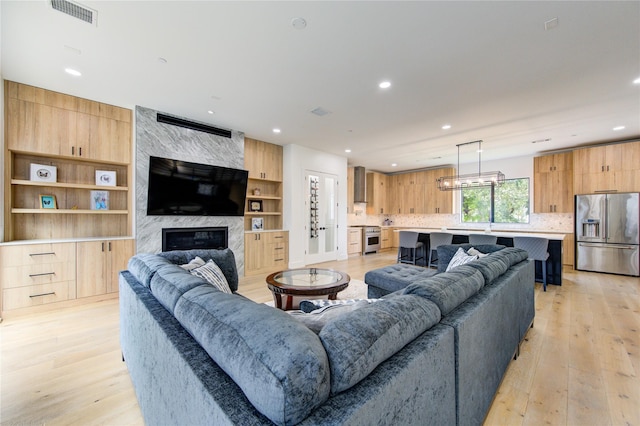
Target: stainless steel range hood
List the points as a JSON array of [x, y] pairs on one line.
[[359, 185]]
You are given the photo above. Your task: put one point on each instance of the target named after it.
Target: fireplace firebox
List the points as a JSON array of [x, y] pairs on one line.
[[195, 238]]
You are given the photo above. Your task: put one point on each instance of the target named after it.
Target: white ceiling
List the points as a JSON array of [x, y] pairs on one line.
[[487, 68]]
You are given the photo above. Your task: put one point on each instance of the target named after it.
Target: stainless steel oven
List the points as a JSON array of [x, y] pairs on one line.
[[370, 239]]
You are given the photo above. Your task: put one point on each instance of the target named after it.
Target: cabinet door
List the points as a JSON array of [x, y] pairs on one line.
[[118, 254], [21, 125], [254, 252], [91, 267], [263, 160], [55, 130]]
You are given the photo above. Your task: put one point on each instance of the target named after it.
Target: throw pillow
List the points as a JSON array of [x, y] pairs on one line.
[[195, 263], [314, 304], [211, 273], [473, 252], [460, 258], [317, 319]]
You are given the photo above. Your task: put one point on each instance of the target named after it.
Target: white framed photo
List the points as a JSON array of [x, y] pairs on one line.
[[43, 173], [257, 224], [99, 200], [105, 178]]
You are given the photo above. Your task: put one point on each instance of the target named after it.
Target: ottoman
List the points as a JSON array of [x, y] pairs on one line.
[[391, 278]]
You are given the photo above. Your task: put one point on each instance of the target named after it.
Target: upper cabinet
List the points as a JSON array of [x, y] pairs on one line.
[[417, 193], [263, 160], [79, 138], [553, 183], [607, 168], [40, 121], [376, 193], [439, 202], [264, 189]]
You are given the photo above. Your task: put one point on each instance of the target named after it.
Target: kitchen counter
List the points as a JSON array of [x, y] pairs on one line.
[[505, 234]]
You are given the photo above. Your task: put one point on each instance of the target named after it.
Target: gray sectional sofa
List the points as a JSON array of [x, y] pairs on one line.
[[199, 356]]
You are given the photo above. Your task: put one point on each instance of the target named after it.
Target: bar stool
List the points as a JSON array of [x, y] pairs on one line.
[[537, 249], [478, 239], [437, 239], [409, 241]]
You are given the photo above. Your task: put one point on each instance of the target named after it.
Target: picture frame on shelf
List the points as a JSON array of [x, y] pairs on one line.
[[255, 205], [99, 200], [48, 202], [105, 178], [257, 224], [43, 173]]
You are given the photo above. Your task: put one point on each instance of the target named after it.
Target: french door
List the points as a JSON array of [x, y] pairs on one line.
[[321, 207]]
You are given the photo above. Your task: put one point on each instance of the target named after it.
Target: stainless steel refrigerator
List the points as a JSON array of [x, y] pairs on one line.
[[607, 233]]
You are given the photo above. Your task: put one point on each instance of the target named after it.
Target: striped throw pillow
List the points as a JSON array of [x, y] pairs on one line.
[[211, 273], [460, 258]]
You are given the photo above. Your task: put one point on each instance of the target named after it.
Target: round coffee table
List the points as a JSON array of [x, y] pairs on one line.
[[305, 282]]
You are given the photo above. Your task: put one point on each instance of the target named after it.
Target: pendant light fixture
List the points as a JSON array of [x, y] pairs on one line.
[[470, 180]]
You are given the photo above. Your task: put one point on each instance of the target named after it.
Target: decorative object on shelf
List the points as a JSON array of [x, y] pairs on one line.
[[255, 205], [256, 191], [105, 178], [48, 202], [99, 200], [314, 182], [43, 173], [470, 180], [257, 224]]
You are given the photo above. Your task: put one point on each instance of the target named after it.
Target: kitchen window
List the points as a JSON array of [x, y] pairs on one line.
[[504, 203]]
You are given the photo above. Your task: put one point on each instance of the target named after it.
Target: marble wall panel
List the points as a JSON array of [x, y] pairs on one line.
[[168, 141]]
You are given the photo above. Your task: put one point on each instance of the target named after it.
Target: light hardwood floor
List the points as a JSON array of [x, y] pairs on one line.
[[579, 365]]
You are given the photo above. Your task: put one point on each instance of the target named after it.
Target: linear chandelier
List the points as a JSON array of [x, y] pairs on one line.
[[470, 180]]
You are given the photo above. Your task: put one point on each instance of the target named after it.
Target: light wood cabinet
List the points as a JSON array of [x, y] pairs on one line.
[[78, 137], [350, 189], [438, 202], [568, 250], [263, 159], [265, 252], [354, 241], [98, 265], [607, 168], [386, 238], [377, 193], [417, 193], [553, 183]]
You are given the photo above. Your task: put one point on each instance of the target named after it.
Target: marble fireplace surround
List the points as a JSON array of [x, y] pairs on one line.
[[169, 141]]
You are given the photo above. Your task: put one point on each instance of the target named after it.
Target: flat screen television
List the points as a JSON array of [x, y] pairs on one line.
[[180, 188]]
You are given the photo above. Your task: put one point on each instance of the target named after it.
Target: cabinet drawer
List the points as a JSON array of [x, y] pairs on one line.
[[24, 297], [32, 254], [43, 273]]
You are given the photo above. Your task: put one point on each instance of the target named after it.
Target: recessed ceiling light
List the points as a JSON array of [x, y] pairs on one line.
[[618, 128], [276, 130], [636, 81], [394, 164], [446, 127], [347, 150], [73, 72], [384, 85], [209, 112], [299, 23], [162, 60]]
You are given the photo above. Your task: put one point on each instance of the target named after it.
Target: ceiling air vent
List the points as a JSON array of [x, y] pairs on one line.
[[180, 122], [320, 112], [76, 10]]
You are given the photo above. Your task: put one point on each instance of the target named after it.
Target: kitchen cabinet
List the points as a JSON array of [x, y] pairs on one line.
[[607, 168], [377, 193], [350, 189], [417, 193], [98, 264], [354, 240], [553, 183], [266, 252], [386, 238], [263, 160], [438, 202]]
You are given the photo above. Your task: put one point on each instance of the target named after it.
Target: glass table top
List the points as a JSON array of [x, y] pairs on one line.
[[308, 277]]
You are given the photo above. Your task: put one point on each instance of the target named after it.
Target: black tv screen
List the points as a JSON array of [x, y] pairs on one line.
[[180, 188]]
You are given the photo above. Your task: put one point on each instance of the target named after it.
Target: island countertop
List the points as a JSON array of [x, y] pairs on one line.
[[504, 234]]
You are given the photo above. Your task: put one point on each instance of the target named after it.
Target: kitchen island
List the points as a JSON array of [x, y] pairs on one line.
[[461, 236]]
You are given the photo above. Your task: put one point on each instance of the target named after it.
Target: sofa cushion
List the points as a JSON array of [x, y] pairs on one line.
[[449, 289], [280, 365], [358, 341], [224, 258], [512, 255], [143, 266], [491, 267], [211, 273], [170, 282], [459, 259], [396, 277], [446, 252]]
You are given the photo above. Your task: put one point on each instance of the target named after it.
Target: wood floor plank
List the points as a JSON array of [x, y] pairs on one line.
[[579, 364]]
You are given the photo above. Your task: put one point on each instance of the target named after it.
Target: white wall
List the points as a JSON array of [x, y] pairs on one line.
[[296, 161]]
